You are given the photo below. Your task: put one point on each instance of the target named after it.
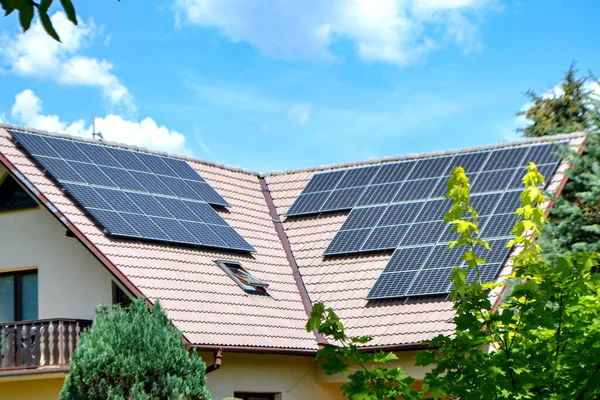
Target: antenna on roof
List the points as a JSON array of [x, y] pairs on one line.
[[96, 135]]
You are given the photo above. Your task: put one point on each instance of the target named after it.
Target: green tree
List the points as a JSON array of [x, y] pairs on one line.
[[134, 354], [575, 219], [563, 112], [542, 341], [26, 10]]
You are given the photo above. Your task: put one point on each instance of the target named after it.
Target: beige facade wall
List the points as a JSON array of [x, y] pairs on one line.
[[71, 282], [289, 377]]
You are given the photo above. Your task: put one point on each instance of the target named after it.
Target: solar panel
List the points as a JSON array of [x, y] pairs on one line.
[[379, 194], [308, 203], [364, 217], [397, 214], [342, 199], [416, 190], [134, 194], [396, 172], [357, 177], [407, 259], [385, 238], [347, 241], [402, 209]]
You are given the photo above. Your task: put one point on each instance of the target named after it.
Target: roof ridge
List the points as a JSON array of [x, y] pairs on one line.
[[401, 157], [439, 153]]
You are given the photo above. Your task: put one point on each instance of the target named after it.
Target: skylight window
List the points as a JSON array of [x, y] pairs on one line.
[[243, 278]]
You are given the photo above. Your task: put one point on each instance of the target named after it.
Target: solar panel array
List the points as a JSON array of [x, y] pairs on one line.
[[400, 206], [134, 194]]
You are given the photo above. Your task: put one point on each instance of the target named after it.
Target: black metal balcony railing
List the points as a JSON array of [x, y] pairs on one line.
[[41, 343]]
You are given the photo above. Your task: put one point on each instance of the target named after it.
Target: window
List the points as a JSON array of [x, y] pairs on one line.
[[243, 278], [254, 396], [119, 296], [13, 196], [18, 296]]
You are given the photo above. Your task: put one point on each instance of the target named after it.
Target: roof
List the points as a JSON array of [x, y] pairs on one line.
[[210, 308]]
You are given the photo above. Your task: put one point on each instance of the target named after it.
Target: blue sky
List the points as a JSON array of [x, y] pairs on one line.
[[276, 84]]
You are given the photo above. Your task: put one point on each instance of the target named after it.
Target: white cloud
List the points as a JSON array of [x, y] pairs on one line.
[[394, 31], [300, 113], [27, 110], [35, 54]]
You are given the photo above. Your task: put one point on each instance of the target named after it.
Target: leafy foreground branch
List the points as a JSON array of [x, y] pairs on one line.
[[542, 342]]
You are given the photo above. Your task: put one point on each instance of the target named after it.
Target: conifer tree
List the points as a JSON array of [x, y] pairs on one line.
[[575, 219], [134, 354]]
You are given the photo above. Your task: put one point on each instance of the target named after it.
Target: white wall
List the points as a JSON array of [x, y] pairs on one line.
[[71, 282]]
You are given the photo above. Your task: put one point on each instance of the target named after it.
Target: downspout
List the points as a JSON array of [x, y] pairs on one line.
[[217, 363]]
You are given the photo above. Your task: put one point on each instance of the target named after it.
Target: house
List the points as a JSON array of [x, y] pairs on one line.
[[83, 224]]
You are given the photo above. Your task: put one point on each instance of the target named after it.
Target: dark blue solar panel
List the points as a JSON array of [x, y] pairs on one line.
[[59, 169], [357, 177], [86, 196], [397, 214], [542, 154], [488, 273], [343, 199], [416, 190], [507, 158], [97, 154], [434, 210], [323, 182], [498, 226], [379, 194], [127, 159], [149, 204], [175, 230], [396, 172], [385, 238], [428, 232], [493, 181], [122, 179], [155, 164], [205, 213], [177, 208], [509, 203], [430, 281], [66, 149], [471, 162], [180, 188], [309, 203], [151, 183], [206, 193], [118, 200], [34, 144], [448, 236], [442, 257], [92, 174], [431, 167], [408, 259], [145, 227], [497, 254], [203, 234], [392, 285], [233, 239], [364, 217], [348, 241], [121, 189], [113, 223], [485, 204], [182, 169]]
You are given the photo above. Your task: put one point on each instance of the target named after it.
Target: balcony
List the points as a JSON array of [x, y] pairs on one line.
[[30, 345]]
